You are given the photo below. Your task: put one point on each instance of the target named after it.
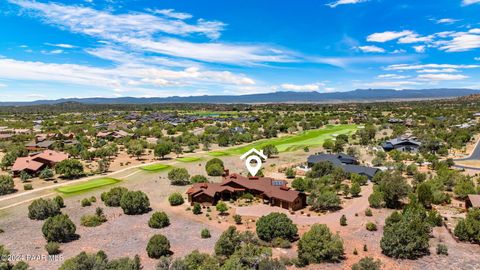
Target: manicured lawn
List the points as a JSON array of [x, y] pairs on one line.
[[308, 138], [155, 167], [188, 159], [81, 187]]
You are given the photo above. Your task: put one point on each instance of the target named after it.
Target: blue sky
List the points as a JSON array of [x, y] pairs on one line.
[[113, 48]]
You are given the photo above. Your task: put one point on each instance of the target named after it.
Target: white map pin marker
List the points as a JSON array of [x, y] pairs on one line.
[[253, 170], [253, 154]]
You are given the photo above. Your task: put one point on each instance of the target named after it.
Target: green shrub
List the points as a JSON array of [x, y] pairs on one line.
[[198, 179], [86, 202], [69, 168], [94, 220], [468, 229], [6, 184], [58, 229], [276, 225], [376, 199], [158, 220], [442, 249], [343, 220], [158, 246], [205, 233], [93, 199], [197, 209], [27, 187], [281, 243], [52, 248], [320, 245], [221, 207], [367, 263], [112, 198], [135, 203], [215, 167], [237, 219], [46, 174], [368, 212], [59, 201], [175, 199], [41, 209], [178, 176], [371, 226]]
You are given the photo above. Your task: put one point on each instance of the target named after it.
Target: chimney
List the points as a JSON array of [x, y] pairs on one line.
[[226, 172]]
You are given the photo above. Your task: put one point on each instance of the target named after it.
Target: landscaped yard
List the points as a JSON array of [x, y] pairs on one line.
[[188, 159], [155, 167], [308, 138], [85, 186]]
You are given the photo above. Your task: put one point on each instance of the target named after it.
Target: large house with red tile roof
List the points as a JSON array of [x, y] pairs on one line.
[[35, 163], [271, 191]]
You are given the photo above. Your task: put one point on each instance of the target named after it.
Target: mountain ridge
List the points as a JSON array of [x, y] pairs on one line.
[[358, 95]]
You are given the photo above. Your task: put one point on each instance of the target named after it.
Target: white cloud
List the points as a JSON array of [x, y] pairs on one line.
[[304, 87], [443, 70], [442, 77], [3, 85], [149, 33], [345, 2], [171, 13], [429, 66], [447, 20], [461, 42], [388, 35], [100, 23], [414, 38], [477, 58], [392, 76], [390, 84], [123, 76], [52, 52], [419, 48], [62, 45], [470, 2], [371, 49]]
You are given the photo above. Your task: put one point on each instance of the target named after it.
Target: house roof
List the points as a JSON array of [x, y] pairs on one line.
[[26, 163], [50, 156], [268, 186], [401, 140], [474, 200], [340, 161]]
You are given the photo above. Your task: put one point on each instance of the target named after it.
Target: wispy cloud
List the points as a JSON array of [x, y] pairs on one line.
[[151, 33], [171, 13], [371, 49], [345, 2], [392, 76], [303, 87], [61, 45], [446, 20], [442, 77], [429, 66], [470, 2], [388, 36]]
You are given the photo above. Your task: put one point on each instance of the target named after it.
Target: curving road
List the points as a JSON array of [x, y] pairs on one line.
[[475, 155]]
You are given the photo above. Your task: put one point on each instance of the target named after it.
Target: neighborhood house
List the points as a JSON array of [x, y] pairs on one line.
[[36, 162], [348, 163], [402, 144], [271, 191]]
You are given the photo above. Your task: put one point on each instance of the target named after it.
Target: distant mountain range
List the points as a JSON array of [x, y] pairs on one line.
[[359, 95]]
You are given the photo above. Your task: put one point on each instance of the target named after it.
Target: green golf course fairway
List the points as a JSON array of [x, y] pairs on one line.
[[188, 159], [81, 187], [155, 167], [308, 138]]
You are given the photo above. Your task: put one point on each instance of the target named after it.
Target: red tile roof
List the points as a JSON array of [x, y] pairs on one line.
[[36, 161], [264, 185]]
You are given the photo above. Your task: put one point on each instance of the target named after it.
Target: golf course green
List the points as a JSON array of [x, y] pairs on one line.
[[309, 138], [91, 184], [155, 167], [188, 159]]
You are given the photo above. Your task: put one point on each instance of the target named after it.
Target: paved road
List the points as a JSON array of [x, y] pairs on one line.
[[475, 155]]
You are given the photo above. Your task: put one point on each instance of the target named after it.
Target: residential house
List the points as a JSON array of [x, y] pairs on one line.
[[112, 134], [33, 164], [271, 191], [404, 144], [472, 201], [348, 163]]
